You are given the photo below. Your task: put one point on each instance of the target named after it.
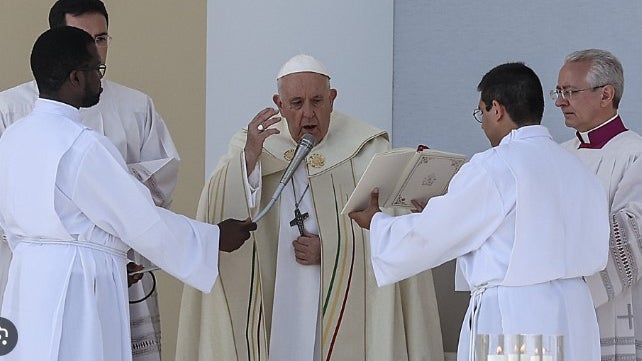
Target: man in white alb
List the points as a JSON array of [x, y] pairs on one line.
[[589, 90], [525, 220], [303, 290], [129, 119], [71, 210]]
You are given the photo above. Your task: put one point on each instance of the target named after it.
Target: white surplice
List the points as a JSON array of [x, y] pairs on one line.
[[71, 210], [617, 291], [524, 219], [129, 119]]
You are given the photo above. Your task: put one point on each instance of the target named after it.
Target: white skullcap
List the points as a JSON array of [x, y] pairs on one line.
[[302, 64]]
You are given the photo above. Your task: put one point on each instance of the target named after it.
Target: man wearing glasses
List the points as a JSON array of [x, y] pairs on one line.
[[589, 90], [130, 121], [71, 211], [527, 236]]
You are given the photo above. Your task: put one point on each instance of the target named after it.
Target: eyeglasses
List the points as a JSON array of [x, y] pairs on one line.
[[101, 69], [567, 94], [477, 114], [102, 41]]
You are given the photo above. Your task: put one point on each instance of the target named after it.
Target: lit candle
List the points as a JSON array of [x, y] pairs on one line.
[[537, 357], [515, 356], [498, 357]]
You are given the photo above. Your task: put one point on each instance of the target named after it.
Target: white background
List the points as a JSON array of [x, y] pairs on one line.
[[443, 48]]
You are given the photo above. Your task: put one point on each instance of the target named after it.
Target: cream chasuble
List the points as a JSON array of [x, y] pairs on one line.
[[358, 320]]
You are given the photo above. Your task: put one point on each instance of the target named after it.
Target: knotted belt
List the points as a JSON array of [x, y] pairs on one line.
[[95, 246], [475, 303]]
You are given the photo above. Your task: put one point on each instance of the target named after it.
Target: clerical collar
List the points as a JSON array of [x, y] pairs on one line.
[[597, 137]]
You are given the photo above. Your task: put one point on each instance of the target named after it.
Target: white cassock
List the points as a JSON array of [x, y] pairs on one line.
[[525, 221], [295, 311], [71, 210], [129, 119], [615, 155]]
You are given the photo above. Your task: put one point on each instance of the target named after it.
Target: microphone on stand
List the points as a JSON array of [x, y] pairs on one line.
[[304, 147]]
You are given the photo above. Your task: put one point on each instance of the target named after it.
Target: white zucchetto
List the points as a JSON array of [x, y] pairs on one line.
[[302, 64]]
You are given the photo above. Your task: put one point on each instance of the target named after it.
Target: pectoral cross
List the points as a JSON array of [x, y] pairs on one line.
[[298, 219]]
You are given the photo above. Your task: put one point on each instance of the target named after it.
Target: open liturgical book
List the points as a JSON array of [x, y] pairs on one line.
[[403, 175]]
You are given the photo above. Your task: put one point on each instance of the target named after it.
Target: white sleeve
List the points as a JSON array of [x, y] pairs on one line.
[[253, 184], [158, 165], [112, 199], [625, 243], [450, 226]]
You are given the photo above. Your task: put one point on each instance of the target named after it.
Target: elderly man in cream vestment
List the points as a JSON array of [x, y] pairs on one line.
[[309, 294]]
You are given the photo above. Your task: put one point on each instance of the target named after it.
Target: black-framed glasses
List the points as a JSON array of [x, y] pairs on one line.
[[477, 114], [567, 94], [102, 41], [101, 69]]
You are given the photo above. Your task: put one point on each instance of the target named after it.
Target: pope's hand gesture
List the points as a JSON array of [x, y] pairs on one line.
[[233, 233], [257, 131], [364, 217]]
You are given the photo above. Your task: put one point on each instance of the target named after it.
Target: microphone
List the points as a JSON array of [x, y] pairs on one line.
[[302, 150], [304, 147]]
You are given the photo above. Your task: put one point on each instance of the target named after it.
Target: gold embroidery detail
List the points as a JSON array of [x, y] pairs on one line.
[[288, 154], [316, 160]]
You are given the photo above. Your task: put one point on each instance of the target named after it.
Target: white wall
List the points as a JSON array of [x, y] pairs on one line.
[[248, 41], [443, 48]]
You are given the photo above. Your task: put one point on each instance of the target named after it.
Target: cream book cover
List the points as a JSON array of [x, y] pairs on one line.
[[404, 174]]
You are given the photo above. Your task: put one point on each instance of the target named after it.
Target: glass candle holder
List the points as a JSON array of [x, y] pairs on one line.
[[518, 347]]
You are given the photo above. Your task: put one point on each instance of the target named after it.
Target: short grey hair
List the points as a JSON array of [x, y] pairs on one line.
[[278, 83], [605, 69]]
